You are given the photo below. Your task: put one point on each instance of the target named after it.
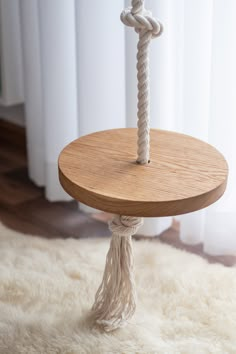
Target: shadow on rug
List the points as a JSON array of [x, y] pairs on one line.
[[47, 287]]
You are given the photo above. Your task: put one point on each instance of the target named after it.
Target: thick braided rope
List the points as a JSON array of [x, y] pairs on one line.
[[147, 27], [115, 300]]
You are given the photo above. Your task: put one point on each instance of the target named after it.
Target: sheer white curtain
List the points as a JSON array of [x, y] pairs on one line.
[[80, 77]]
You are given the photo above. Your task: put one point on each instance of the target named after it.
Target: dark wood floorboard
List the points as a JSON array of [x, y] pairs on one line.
[[11, 157], [24, 208], [23, 225]]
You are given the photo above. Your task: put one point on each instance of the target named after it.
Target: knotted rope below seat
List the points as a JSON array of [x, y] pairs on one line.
[[115, 300]]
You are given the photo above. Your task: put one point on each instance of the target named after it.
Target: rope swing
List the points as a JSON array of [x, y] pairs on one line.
[[115, 300], [99, 170]]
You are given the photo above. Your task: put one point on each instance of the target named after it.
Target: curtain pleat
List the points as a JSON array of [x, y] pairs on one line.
[[101, 65], [33, 90], [59, 85]]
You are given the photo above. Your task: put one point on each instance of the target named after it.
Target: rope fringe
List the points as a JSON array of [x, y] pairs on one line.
[[115, 300]]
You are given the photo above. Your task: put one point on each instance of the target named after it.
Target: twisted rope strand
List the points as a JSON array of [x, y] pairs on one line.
[[137, 6], [147, 27]]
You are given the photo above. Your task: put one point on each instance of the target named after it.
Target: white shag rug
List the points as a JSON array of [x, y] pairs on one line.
[[47, 287]]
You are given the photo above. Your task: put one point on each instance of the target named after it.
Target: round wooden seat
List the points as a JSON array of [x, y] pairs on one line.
[[185, 174]]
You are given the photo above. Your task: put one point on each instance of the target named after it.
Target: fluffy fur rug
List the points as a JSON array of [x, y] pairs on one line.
[[47, 287]]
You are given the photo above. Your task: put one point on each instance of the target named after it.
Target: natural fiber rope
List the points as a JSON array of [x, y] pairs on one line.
[[115, 300], [147, 27]]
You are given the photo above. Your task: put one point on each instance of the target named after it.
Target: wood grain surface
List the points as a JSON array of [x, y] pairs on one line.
[[184, 175]]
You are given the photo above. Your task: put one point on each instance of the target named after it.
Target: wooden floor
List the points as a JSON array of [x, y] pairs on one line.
[[24, 208]]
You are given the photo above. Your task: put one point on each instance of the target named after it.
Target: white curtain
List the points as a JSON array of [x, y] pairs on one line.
[[80, 77]]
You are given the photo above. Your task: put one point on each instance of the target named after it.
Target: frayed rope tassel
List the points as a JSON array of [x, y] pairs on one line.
[[115, 300]]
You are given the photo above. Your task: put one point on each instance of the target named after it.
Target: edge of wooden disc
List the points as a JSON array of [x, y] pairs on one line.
[[83, 156]]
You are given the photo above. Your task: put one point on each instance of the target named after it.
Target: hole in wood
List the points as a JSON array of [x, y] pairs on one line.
[[142, 164]]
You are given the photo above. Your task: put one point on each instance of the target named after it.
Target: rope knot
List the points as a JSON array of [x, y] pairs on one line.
[[125, 225], [141, 21]]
